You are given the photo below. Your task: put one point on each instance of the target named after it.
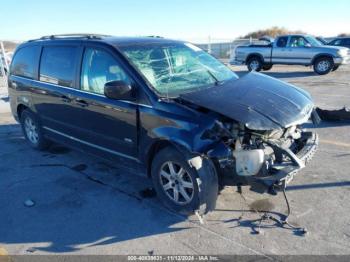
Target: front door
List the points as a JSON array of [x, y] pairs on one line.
[[298, 51], [111, 124]]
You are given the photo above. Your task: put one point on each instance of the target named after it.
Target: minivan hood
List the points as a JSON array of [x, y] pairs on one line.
[[256, 100]]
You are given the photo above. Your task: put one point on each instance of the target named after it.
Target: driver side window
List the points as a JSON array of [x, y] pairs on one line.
[[98, 68], [298, 41]]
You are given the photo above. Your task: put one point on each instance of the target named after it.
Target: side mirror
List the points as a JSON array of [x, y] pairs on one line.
[[119, 90], [308, 45]]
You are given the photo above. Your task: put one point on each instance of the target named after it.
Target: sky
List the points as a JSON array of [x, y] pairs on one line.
[[192, 20]]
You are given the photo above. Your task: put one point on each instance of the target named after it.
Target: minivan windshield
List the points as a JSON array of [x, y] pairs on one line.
[[177, 68]]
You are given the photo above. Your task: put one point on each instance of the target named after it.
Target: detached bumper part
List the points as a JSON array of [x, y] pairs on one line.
[[285, 172]]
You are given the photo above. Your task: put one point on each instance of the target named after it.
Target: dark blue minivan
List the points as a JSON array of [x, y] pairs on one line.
[[165, 106]]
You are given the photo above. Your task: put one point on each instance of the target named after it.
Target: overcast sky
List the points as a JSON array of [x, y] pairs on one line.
[[192, 20]]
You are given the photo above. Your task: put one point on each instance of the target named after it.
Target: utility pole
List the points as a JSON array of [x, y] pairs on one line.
[[209, 44], [3, 64], [4, 54]]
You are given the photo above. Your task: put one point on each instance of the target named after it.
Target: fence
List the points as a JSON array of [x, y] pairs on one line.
[[225, 49]]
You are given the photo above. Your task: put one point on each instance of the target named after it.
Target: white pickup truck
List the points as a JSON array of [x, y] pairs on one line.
[[292, 50]]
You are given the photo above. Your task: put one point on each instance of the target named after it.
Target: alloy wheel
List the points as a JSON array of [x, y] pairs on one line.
[[176, 183], [254, 65], [31, 130], [323, 65]]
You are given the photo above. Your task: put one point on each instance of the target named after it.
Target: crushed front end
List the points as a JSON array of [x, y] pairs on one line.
[[265, 160], [258, 134]]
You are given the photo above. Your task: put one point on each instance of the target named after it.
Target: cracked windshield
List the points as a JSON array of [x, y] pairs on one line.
[[177, 68]]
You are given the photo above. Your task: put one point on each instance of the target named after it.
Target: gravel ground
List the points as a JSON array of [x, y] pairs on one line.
[[84, 205]]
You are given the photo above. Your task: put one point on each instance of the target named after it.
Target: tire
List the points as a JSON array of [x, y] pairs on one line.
[[335, 67], [267, 67], [33, 131], [323, 65], [254, 64], [167, 183]]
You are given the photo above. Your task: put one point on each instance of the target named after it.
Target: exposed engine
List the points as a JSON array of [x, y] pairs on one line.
[[267, 157]]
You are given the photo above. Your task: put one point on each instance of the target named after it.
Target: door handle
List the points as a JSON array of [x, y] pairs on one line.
[[81, 102], [65, 99]]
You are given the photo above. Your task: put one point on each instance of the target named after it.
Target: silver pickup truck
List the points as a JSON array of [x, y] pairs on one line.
[[292, 50]]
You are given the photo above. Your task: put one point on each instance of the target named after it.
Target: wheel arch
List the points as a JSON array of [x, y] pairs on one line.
[[158, 146], [321, 55], [20, 109], [254, 55], [205, 168]]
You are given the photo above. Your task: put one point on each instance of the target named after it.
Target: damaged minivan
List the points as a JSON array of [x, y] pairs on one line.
[[165, 106]]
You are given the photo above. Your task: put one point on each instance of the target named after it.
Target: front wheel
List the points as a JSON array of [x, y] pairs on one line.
[[323, 65], [175, 181], [32, 130]]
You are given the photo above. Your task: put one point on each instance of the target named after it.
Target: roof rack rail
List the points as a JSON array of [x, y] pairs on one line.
[[62, 36]]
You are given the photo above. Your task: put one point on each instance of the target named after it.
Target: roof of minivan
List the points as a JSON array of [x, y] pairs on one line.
[[121, 41], [112, 40]]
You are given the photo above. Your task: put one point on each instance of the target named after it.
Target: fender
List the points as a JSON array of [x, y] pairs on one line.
[[320, 55], [190, 141]]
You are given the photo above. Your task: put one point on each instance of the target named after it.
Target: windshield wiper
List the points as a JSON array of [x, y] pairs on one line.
[[213, 76]]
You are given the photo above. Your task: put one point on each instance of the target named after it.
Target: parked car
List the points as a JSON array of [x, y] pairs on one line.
[[321, 40], [340, 41], [166, 107], [292, 50]]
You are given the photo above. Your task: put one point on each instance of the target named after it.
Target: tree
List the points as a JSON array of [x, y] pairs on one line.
[[344, 34], [272, 32], [9, 45]]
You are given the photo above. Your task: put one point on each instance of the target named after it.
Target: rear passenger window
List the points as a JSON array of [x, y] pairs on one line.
[[57, 65], [282, 42], [25, 61]]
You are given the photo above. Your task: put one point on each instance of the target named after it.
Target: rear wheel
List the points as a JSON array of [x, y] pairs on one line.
[[175, 181], [323, 65], [267, 67], [254, 64], [32, 130]]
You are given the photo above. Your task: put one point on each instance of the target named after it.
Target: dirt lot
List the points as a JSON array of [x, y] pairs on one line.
[[84, 205]]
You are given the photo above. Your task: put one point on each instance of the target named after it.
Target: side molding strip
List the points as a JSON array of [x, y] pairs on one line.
[[90, 144]]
